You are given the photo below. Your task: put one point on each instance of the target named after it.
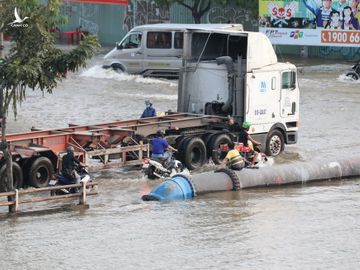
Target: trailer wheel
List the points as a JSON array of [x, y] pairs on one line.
[[274, 143], [214, 146], [207, 139], [40, 172], [180, 154], [17, 177], [194, 153]]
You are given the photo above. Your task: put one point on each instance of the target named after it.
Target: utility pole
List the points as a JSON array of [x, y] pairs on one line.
[[1, 37], [1, 44]]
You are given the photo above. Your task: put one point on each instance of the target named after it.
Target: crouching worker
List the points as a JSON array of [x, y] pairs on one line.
[[233, 159]]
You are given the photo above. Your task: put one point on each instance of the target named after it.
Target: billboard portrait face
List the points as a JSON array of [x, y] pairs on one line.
[[326, 3]]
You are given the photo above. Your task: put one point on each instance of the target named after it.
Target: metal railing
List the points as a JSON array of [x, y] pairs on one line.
[[14, 200]]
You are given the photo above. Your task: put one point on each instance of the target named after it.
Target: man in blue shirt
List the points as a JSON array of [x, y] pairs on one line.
[[159, 145], [149, 110]]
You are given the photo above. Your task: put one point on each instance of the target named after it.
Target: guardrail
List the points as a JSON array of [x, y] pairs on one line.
[[14, 199]]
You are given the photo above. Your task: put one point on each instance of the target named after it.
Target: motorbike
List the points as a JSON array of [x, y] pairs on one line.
[[155, 168], [355, 75], [61, 180]]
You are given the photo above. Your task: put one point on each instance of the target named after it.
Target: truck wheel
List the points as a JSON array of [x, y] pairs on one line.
[[352, 75], [274, 143], [40, 172], [214, 146], [17, 177], [180, 154], [194, 153], [207, 139]]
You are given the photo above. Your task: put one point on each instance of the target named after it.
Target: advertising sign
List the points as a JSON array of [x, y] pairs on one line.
[[311, 22]]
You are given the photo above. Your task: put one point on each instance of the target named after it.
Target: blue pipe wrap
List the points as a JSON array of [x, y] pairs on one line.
[[176, 188]]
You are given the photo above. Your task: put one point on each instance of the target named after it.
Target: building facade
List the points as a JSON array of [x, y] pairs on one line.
[[110, 22]]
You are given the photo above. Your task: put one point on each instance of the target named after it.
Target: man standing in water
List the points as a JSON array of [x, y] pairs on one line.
[[149, 110]]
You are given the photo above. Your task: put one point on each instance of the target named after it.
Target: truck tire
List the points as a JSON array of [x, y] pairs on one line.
[[194, 154], [274, 143], [180, 154], [40, 172], [17, 177], [214, 147], [207, 138]]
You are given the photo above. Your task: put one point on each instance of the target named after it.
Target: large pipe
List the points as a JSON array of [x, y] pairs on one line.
[[299, 172]]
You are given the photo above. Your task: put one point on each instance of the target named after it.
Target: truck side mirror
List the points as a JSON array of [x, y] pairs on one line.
[[118, 46]]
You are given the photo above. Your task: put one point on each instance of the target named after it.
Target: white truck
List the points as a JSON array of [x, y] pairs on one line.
[[227, 72]]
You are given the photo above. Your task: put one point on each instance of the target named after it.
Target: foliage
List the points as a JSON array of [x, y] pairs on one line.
[[199, 8], [34, 61]]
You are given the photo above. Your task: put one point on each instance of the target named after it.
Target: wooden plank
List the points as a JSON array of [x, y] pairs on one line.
[[37, 190], [7, 203], [9, 193], [56, 197]]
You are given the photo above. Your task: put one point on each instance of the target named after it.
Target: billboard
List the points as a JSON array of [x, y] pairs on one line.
[[311, 22]]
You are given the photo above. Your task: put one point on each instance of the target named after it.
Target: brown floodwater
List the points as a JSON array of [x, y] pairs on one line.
[[313, 226]]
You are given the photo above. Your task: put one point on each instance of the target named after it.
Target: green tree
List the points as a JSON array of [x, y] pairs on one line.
[[199, 8], [34, 62]]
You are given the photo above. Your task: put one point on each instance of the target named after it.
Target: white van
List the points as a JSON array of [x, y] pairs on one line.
[[155, 49]]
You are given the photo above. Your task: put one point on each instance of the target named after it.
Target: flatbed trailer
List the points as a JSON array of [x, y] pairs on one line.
[[37, 154]]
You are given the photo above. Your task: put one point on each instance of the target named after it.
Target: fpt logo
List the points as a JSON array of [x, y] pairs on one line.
[[296, 34]]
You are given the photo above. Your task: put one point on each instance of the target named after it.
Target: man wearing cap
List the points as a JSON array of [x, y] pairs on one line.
[[160, 147], [244, 136], [248, 141], [149, 110]]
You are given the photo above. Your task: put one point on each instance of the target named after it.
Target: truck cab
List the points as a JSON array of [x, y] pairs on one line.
[[236, 73]]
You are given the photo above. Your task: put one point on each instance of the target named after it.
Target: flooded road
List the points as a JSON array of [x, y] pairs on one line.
[[299, 227]]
